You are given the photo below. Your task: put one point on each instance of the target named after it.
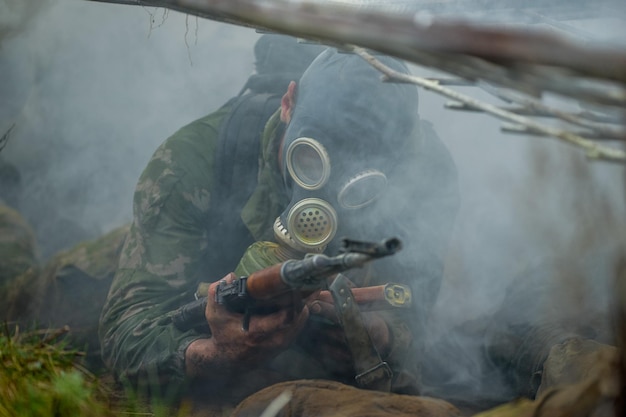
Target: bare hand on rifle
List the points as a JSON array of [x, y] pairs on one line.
[[267, 334]]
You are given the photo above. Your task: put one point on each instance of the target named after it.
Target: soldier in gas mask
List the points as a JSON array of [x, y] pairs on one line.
[[345, 156]]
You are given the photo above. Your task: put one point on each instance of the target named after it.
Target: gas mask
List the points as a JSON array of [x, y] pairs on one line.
[[322, 192], [344, 138]]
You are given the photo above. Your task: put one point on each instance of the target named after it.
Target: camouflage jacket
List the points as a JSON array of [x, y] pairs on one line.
[[167, 254], [163, 257]]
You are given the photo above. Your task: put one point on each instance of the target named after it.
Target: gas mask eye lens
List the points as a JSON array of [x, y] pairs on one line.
[[362, 189], [308, 163]]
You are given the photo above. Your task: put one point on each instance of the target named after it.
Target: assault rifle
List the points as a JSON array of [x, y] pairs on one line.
[[277, 285]]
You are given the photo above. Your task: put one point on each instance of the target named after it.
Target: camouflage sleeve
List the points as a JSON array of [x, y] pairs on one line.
[[162, 259]]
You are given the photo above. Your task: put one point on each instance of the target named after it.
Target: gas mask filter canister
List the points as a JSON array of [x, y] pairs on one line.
[[310, 222]]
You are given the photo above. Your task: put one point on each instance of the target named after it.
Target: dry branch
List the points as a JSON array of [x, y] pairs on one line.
[[528, 61], [593, 150]]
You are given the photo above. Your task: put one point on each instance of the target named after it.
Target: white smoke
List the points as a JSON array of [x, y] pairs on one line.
[[91, 90], [16, 15], [528, 204]]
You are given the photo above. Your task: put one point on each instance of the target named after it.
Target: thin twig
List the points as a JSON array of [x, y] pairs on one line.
[[536, 106], [525, 78], [55, 335], [5, 138], [593, 150], [526, 111], [513, 128]]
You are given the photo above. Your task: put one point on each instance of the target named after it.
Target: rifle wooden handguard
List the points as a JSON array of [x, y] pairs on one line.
[[266, 283], [380, 297]]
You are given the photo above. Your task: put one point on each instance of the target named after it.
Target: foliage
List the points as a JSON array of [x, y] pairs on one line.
[[39, 377]]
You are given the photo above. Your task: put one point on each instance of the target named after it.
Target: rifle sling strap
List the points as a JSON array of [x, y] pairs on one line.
[[371, 371]]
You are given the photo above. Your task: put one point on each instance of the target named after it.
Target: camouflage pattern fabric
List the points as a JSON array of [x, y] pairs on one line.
[[71, 290], [165, 257]]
